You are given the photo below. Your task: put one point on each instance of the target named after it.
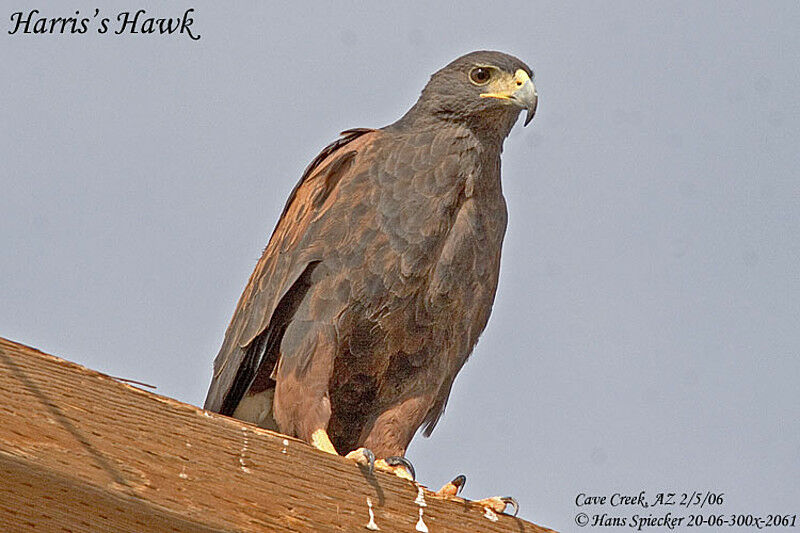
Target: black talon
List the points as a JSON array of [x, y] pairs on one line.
[[371, 458], [508, 500], [396, 460], [459, 481]]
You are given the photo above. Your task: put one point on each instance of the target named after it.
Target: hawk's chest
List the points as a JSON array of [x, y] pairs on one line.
[[444, 223], [431, 240]]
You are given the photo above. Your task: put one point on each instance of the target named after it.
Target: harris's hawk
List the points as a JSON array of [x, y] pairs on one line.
[[381, 272]]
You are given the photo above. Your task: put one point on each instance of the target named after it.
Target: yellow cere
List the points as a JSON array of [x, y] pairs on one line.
[[503, 90]]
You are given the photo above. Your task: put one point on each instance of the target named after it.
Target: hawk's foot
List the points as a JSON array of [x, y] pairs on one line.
[[399, 466], [496, 504]]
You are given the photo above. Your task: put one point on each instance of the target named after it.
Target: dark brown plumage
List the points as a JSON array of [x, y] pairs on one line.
[[381, 272]]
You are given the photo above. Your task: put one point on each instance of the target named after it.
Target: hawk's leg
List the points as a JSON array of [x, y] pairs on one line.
[[302, 405], [389, 433], [399, 466], [497, 504]]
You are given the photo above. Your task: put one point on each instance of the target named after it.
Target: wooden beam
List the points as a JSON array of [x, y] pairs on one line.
[[83, 452]]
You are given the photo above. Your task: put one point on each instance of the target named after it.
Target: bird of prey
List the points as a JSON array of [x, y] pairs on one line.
[[381, 272]]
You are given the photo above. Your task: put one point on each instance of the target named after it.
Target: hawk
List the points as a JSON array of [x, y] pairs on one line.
[[381, 272]]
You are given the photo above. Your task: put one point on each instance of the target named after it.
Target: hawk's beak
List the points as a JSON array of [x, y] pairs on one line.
[[522, 93]]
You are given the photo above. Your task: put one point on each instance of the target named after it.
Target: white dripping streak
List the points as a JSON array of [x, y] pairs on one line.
[[183, 474], [488, 513], [243, 452], [420, 497], [421, 502], [285, 444], [421, 523], [371, 525]]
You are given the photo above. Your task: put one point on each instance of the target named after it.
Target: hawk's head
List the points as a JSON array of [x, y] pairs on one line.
[[481, 89]]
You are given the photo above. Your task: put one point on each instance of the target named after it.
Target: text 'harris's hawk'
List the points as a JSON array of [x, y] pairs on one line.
[[381, 272]]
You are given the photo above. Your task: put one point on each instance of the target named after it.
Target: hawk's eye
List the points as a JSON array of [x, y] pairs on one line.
[[480, 75]]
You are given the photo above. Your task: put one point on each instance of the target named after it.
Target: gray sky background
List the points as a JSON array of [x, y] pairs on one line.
[[645, 334]]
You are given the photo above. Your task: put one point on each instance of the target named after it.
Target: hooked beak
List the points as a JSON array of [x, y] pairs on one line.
[[522, 93]]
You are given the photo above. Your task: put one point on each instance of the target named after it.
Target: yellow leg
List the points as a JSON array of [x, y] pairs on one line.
[[321, 441]]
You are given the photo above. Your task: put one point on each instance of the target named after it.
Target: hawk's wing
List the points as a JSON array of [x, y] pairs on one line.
[[280, 269]]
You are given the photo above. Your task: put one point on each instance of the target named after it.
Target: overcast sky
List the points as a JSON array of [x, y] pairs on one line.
[[645, 334]]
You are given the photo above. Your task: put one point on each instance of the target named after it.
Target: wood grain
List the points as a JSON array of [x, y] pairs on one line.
[[82, 452]]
